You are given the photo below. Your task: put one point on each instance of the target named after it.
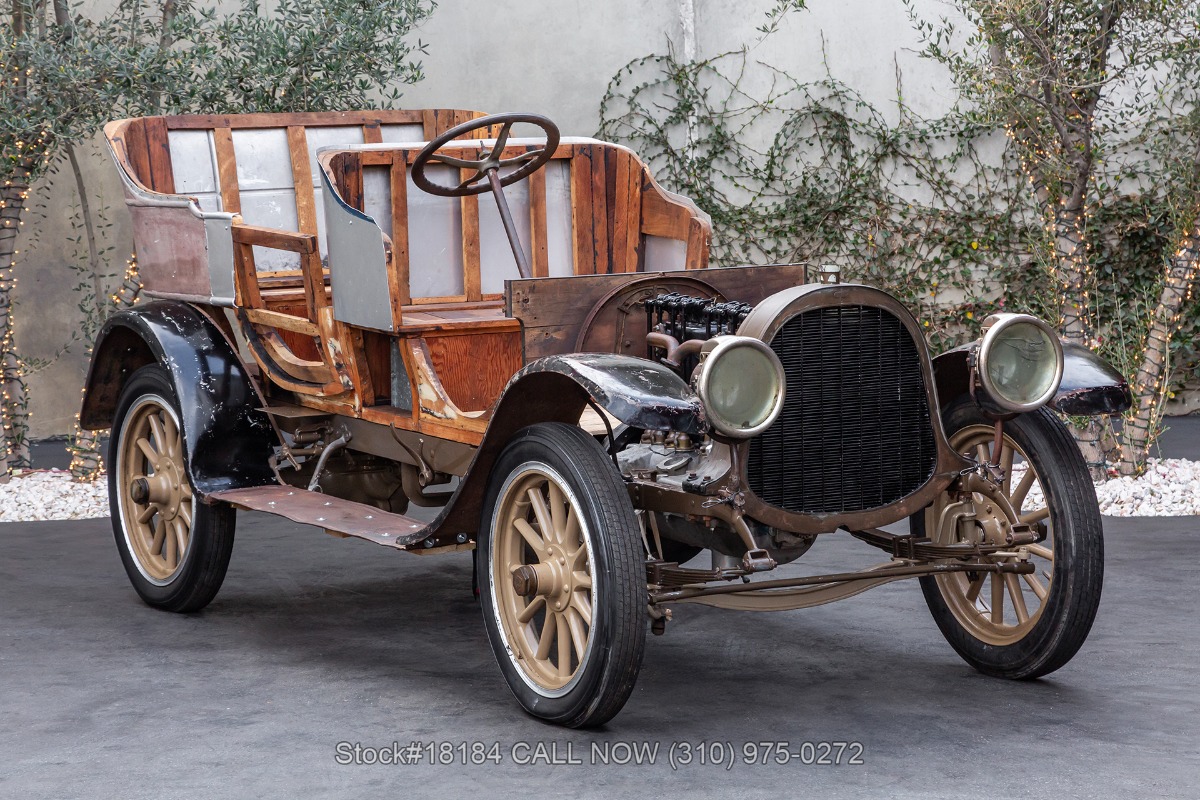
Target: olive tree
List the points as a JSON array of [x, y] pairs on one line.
[[1069, 81], [63, 73]]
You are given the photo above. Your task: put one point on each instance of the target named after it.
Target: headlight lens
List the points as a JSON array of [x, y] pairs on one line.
[[741, 383], [1020, 361]]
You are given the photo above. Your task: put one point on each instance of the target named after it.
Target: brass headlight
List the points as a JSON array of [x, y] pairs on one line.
[[1020, 361], [741, 383]]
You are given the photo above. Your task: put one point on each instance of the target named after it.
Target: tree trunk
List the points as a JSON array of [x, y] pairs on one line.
[[1150, 382], [14, 443]]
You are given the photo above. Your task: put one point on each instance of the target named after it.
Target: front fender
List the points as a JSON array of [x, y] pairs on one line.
[[1090, 385], [226, 439]]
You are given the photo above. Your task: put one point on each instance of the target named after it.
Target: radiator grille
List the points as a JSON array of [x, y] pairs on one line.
[[855, 431]]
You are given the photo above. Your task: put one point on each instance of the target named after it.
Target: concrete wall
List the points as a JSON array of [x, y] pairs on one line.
[[554, 57]]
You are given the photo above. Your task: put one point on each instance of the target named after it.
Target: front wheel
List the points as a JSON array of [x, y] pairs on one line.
[[1022, 626], [564, 600]]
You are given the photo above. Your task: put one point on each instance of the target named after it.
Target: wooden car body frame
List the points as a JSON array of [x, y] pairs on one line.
[[437, 382]]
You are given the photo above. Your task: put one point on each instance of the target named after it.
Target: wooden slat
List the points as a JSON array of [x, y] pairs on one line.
[[372, 134], [312, 119], [231, 198], [287, 322], [581, 211], [245, 281], [158, 152], [398, 277], [302, 179], [136, 151], [600, 209], [470, 243], [539, 251], [347, 170], [274, 238], [626, 204]]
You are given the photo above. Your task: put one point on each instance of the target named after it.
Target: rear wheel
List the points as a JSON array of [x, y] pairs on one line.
[[1023, 626], [564, 587], [175, 550]]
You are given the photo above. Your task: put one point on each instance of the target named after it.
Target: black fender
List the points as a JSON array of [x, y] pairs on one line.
[[638, 392], [1090, 385], [227, 440]]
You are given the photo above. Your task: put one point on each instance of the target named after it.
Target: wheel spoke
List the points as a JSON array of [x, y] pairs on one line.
[[171, 433], [148, 451], [1006, 464], [578, 634], [558, 511], [1017, 498], [160, 532], [530, 610], [530, 536], [1042, 551], [1035, 516], [981, 453], [542, 514], [185, 512], [547, 637], [159, 434], [564, 645], [975, 586], [146, 513], [181, 534], [1036, 586], [997, 600], [171, 554], [582, 603], [582, 579], [1018, 599]]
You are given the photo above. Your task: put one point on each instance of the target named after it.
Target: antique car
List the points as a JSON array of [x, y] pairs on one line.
[[336, 328]]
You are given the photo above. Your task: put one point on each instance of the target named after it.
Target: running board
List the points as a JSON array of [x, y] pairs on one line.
[[337, 516]]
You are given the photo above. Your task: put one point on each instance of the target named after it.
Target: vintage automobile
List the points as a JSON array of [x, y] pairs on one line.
[[336, 328]]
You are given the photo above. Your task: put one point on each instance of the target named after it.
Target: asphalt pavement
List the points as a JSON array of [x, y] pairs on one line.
[[316, 641]]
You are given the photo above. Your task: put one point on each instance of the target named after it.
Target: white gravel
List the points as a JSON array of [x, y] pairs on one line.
[[1169, 488]]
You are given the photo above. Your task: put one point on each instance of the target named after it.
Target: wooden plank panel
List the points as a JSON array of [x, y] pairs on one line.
[[245, 281], [601, 208], [302, 179], [158, 153], [626, 203], [398, 276], [275, 239], [347, 170], [539, 251], [136, 151], [313, 119], [372, 134], [474, 369], [470, 243], [287, 322], [581, 211], [231, 198]]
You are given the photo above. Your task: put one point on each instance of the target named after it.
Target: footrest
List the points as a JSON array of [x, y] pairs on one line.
[[336, 516]]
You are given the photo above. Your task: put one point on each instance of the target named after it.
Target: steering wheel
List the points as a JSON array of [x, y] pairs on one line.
[[487, 169]]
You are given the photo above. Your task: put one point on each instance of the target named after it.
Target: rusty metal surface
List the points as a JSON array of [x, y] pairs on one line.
[[227, 440], [637, 391], [337, 516]]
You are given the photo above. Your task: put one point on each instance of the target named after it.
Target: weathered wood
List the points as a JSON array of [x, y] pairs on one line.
[[137, 152], [245, 281], [158, 153], [469, 211], [309, 119], [398, 267], [372, 134], [231, 198], [302, 179], [583, 242], [539, 253], [347, 171], [274, 238], [475, 369], [626, 210], [287, 322], [553, 311]]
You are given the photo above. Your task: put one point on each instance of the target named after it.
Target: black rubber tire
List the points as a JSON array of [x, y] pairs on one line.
[[211, 540], [620, 594], [1078, 545]]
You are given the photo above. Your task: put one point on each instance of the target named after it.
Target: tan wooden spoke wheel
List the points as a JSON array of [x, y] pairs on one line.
[[154, 496], [998, 609], [543, 578]]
